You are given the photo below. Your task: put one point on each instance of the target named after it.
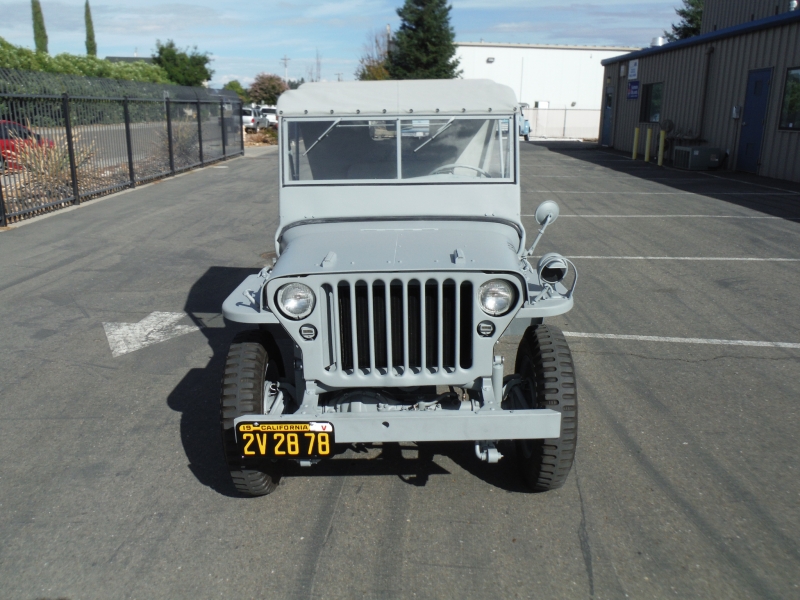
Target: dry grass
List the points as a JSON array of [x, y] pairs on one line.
[[40, 174], [185, 143], [266, 137], [49, 166]]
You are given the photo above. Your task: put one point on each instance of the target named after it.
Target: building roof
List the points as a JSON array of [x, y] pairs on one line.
[[130, 59], [550, 46], [398, 98], [712, 36]]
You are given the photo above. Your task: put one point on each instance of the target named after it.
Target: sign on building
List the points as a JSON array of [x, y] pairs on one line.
[[633, 69], [633, 90]]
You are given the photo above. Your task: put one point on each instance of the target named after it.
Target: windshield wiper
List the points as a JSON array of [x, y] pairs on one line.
[[334, 124], [435, 135]]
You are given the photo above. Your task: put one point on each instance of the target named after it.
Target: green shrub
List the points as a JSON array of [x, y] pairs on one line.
[[17, 57]]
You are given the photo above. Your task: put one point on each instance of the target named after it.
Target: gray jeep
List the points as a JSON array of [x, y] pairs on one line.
[[402, 259]]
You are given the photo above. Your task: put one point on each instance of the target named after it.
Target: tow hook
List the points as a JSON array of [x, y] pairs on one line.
[[487, 451]]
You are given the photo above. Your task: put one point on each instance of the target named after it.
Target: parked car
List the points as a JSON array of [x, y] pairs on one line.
[[270, 114], [252, 120], [12, 137], [524, 124], [401, 260]]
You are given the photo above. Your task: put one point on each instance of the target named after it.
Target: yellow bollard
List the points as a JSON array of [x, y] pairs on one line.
[[647, 144], [661, 139], [635, 143]]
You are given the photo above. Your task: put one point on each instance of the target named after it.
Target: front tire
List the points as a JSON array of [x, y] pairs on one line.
[[243, 394], [548, 381]]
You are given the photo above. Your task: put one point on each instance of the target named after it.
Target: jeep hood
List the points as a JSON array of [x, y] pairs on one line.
[[381, 246]]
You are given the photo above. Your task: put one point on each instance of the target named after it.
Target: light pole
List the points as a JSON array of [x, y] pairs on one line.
[[285, 60]]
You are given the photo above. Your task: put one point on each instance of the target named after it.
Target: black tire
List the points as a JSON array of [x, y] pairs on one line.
[[545, 364], [243, 394]]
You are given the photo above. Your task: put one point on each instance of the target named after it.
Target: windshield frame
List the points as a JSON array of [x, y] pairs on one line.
[[513, 158]]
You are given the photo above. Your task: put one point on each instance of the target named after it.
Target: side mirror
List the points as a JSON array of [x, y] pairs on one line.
[[547, 212], [548, 208]]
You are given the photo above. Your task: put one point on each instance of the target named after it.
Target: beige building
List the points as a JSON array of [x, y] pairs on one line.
[[735, 87]]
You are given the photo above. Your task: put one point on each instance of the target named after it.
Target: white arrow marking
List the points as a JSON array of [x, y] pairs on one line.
[[154, 328]]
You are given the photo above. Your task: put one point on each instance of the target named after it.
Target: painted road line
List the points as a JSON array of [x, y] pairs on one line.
[[605, 175], [761, 185], [699, 258], [678, 340], [154, 328], [709, 193], [674, 217]]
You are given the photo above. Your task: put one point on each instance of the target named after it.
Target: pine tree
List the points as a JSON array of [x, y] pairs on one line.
[[91, 45], [424, 46], [39, 32], [691, 18]]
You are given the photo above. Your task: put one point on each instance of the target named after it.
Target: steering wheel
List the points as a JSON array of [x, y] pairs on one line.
[[452, 166]]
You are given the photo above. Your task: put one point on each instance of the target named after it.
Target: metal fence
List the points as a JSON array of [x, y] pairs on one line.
[[563, 122], [65, 139]]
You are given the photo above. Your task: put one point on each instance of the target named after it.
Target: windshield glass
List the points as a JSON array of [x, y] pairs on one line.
[[439, 150], [456, 148]]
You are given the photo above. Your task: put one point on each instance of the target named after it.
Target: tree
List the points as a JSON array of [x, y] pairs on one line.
[[424, 46], [314, 72], [691, 18], [236, 87], [372, 64], [39, 32], [266, 88], [295, 83], [184, 67], [91, 45]]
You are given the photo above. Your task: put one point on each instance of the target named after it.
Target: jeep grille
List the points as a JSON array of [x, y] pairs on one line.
[[402, 326]]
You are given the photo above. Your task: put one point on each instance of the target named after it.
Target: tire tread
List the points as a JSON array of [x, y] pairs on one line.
[[554, 388], [243, 393]]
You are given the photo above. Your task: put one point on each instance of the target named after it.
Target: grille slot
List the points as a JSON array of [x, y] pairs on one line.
[[345, 326], [385, 326], [465, 325]]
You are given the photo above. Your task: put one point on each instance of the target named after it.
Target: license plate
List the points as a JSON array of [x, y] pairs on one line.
[[285, 440]]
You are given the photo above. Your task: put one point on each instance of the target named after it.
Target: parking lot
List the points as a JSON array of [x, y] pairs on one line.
[[686, 340]]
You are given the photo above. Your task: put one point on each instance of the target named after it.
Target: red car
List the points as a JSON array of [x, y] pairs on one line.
[[13, 135]]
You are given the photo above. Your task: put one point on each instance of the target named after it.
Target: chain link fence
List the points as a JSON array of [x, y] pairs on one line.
[[559, 123], [65, 139]]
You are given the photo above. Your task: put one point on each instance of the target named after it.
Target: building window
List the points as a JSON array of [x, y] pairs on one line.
[[790, 108], [652, 98]]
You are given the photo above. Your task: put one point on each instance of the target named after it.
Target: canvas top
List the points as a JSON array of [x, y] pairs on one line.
[[398, 98]]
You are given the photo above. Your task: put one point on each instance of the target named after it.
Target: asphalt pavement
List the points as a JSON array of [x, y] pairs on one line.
[[685, 485]]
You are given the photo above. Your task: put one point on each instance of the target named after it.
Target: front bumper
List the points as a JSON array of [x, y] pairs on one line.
[[428, 426]]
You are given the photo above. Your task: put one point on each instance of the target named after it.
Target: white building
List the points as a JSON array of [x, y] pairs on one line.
[[562, 84]]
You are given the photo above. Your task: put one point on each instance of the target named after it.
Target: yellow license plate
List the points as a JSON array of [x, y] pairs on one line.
[[285, 440]]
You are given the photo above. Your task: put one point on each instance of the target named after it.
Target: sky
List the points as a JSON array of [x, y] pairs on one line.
[[246, 38]]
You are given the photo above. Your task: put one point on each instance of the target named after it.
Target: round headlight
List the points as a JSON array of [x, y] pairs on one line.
[[296, 300], [496, 297]]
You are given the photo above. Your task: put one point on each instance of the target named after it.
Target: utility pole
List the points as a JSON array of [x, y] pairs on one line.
[[285, 60], [338, 76]]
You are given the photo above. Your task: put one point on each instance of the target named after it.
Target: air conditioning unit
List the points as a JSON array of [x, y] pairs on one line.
[[694, 158]]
